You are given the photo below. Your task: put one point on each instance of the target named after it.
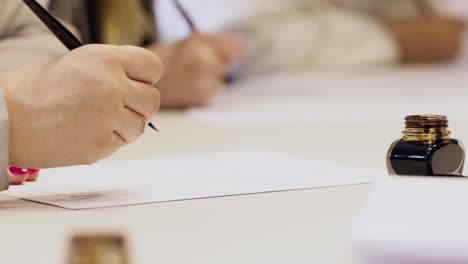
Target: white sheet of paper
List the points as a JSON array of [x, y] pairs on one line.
[[185, 177], [414, 220]]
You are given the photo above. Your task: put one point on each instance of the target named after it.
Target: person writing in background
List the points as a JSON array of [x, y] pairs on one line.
[[194, 68]]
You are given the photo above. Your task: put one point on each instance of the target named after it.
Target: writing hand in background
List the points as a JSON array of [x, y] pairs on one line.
[[427, 38], [80, 107], [195, 68]]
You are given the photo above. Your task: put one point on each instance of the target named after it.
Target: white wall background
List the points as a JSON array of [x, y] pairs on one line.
[[212, 15]]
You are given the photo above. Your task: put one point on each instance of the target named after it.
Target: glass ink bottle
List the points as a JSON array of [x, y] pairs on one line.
[[426, 149]]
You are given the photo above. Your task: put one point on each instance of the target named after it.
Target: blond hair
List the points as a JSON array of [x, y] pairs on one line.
[[124, 22]]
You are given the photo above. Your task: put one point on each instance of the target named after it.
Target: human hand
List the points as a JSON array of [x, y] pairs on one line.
[[80, 107], [195, 68], [430, 38], [19, 176]]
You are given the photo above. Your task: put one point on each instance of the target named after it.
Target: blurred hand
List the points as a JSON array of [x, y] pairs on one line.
[[195, 68], [80, 107], [429, 38]]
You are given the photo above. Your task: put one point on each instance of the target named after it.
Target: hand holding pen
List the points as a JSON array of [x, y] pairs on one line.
[[60, 31], [78, 108]]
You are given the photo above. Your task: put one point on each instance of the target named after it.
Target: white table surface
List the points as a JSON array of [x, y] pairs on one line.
[[307, 226]]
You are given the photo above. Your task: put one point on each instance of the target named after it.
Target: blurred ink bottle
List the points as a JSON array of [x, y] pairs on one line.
[[426, 149], [98, 249]]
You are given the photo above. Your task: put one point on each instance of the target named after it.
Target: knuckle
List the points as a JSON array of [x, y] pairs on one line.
[[156, 101], [142, 126], [89, 50], [143, 53], [158, 67], [107, 57], [152, 104], [137, 129]]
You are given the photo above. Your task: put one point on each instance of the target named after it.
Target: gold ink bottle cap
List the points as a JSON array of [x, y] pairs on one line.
[[425, 128]]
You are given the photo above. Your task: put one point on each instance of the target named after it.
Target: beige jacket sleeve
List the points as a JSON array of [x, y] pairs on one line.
[[322, 34], [4, 142], [314, 35], [23, 38]]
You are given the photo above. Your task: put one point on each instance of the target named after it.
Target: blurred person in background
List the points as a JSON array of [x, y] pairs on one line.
[[308, 34], [347, 34], [194, 68]]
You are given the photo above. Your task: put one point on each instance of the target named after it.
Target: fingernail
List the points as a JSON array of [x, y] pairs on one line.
[[18, 171], [32, 170]]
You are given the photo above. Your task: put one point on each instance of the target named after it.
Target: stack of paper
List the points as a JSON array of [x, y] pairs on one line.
[[186, 177], [414, 220]]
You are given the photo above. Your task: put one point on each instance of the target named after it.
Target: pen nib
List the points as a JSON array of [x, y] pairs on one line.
[[153, 127]]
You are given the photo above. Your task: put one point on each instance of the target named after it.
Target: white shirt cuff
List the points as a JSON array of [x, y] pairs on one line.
[[4, 143]]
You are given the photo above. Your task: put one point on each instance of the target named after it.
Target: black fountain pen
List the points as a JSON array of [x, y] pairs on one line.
[[60, 31]]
